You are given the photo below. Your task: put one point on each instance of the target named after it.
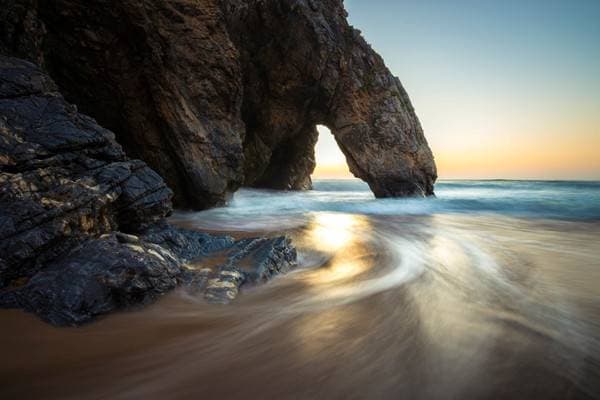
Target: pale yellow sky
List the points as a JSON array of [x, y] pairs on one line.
[[553, 155], [502, 89], [331, 162]]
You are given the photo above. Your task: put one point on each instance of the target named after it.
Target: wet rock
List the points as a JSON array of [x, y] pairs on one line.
[[224, 287], [186, 244], [247, 261], [83, 226], [259, 259], [115, 271], [120, 271], [63, 178], [99, 276], [213, 94]]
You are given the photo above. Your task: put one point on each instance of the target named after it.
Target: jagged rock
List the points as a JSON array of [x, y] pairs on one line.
[[252, 260], [100, 276], [120, 270], [63, 178], [188, 246], [162, 75], [83, 229], [213, 94]]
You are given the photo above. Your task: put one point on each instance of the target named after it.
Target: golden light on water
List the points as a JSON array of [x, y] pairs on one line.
[[339, 235], [331, 232], [343, 269]]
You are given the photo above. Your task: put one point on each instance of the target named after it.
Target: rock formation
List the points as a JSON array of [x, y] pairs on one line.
[[83, 228], [213, 94], [304, 65], [162, 75]]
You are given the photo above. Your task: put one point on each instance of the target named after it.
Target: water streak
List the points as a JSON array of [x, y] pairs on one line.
[[490, 290]]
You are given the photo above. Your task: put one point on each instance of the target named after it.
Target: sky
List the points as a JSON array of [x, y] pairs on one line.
[[503, 89]]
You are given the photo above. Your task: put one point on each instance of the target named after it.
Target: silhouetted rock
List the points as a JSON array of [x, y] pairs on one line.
[[213, 94]]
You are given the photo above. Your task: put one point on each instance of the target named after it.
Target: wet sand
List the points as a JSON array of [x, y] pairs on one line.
[[433, 307]]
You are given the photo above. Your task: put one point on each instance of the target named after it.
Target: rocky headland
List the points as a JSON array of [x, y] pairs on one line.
[[203, 97]]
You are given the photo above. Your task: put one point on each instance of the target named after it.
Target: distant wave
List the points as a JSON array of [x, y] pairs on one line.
[[253, 209]]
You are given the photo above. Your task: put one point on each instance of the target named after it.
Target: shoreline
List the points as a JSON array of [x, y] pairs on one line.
[[494, 299]]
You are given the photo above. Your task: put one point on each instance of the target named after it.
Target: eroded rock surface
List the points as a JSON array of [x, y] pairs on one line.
[[162, 75], [253, 260], [304, 65], [211, 94], [118, 270], [83, 229], [63, 178], [214, 94]]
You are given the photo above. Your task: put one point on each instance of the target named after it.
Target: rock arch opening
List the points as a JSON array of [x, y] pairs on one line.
[[330, 162], [310, 152], [231, 96]]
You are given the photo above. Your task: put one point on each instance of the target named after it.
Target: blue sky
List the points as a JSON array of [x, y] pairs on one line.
[[503, 89]]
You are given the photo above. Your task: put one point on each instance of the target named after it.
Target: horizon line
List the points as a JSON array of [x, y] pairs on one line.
[[474, 179]]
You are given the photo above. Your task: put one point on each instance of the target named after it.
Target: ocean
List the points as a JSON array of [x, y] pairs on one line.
[[491, 289], [564, 200]]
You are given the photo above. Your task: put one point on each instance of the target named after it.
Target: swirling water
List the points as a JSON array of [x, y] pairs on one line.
[[578, 200], [489, 290]]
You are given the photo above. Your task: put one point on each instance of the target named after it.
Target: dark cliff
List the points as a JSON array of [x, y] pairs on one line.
[[214, 94], [304, 65], [162, 75], [203, 96], [83, 229]]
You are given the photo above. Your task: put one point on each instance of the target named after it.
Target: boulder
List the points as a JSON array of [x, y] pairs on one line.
[[253, 261], [119, 271]]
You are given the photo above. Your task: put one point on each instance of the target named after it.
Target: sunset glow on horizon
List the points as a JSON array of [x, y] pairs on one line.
[[331, 163], [503, 89]]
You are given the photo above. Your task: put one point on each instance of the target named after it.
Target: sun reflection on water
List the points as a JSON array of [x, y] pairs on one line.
[[331, 232], [340, 236]]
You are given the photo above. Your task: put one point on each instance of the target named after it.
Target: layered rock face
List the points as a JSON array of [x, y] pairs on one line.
[[63, 178], [162, 75], [83, 229], [214, 94]]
